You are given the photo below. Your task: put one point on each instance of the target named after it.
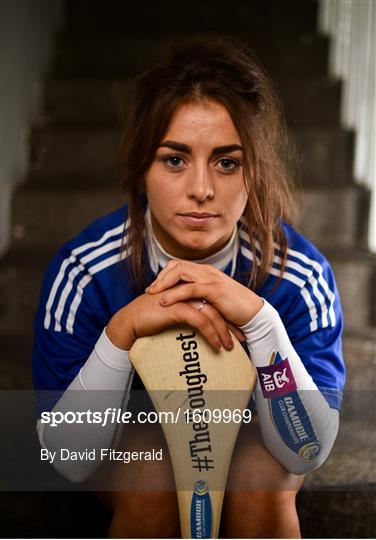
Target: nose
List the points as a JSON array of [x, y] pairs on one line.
[[200, 183]]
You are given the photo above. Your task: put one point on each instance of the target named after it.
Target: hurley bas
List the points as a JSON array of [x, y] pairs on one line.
[[101, 454]]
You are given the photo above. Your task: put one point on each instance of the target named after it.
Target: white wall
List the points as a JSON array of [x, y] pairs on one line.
[[27, 28], [352, 26]]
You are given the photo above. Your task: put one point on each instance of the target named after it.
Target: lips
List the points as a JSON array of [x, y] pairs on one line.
[[198, 219], [199, 214]]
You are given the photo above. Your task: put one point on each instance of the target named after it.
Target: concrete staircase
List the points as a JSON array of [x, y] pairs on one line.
[[73, 179]]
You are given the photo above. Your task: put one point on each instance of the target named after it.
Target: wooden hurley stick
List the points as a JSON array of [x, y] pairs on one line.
[[185, 375]]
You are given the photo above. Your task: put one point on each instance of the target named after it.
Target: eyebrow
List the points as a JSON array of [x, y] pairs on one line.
[[181, 147]]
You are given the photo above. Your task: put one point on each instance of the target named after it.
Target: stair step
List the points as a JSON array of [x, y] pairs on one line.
[[75, 153], [117, 55], [98, 102], [325, 153], [199, 16], [21, 274], [360, 356], [352, 459], [342, 513], [15, 366], [21, 277], [63, 514], [348, 514], [311, 103], [355, 272], [325, 228], [48, 217]]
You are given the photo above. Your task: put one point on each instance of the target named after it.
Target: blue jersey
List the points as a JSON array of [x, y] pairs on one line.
[[87, 282]]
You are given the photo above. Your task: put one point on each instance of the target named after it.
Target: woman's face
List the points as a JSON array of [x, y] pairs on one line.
[[195, 185]]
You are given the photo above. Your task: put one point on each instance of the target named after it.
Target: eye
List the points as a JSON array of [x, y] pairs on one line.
[[228, 164], [173, 162]]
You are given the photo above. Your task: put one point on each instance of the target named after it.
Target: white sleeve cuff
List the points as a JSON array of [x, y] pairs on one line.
[[262, 323], [107, 368], [111, 355]]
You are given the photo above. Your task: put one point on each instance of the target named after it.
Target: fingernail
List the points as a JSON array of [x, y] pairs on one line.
[[230, 344], [163, 301], [218, 344], [147, 288]]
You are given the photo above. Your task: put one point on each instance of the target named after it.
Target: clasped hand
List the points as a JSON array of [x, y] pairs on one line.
[[186, 281]]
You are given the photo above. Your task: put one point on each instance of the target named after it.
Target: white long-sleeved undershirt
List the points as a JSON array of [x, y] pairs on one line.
[[109, 368]]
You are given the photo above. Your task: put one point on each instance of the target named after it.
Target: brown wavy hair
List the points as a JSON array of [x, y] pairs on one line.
[[228, 73]]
